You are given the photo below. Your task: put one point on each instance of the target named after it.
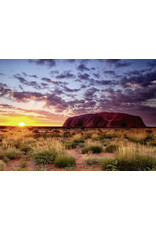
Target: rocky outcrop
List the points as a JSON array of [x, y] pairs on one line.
[[105, 119]]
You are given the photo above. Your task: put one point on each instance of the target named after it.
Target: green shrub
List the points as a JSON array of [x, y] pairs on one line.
[[70, 145], [74, 143], [92, 149], [12, 153], [109, 164], [25, 148], [64, 161], [78, 141], [43, 156], [138, 163], [111, 148], [92, 160]]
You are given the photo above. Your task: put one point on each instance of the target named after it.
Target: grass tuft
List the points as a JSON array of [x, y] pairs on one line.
[[92, 149], [111, 148], [64, 161]]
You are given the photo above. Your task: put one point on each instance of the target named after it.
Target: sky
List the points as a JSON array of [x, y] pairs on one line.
[[47, 91]]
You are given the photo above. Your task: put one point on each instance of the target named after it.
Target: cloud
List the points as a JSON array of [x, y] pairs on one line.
[[26, 96], [137, 78], [118, 63], [28, 83], [84, 76], [47, 80], [5, 106], [48, 62], [4, 90], [110, 72], [90, 93], [69, 90], [82, 68], [65, 75]]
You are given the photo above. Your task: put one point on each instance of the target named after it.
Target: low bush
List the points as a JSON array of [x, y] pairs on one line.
[[92, 149], [64, 161], [78, 141], [44, 156], [70, 145], [135, 158], [92, 160], [138, 163], [12, 153], [111, 148], [109, 164], [25, 148], [46, 151]]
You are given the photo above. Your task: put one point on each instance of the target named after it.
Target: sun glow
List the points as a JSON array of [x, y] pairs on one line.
[[21, 124]]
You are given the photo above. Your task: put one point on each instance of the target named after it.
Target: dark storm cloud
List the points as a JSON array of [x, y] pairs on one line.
[[28, 83], [46, 79], [57, 102], [83, 67], [90, 92], [25, 75], [69, 90], [65, 75], [84, 76], [44, 85], [20, 87], [127, 98], [26, 96], [48, 62], [105, 82], [4, 90], [118, 63], [137, 78]]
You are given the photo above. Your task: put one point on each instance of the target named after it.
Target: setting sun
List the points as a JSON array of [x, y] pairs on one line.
[[21, 124]]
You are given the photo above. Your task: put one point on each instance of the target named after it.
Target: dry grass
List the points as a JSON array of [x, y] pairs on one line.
[[136, 147]]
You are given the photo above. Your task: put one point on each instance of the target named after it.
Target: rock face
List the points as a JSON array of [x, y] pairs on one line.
[[105, 119]]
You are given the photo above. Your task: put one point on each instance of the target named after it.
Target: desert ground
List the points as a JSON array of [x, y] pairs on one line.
[[77, 149]]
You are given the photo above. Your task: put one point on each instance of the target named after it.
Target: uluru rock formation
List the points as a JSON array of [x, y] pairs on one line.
[[105, 119]]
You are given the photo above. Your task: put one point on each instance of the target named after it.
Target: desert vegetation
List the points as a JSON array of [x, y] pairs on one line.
[[79, 149]]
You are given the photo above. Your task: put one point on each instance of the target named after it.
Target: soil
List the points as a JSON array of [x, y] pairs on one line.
[[81, 165]]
